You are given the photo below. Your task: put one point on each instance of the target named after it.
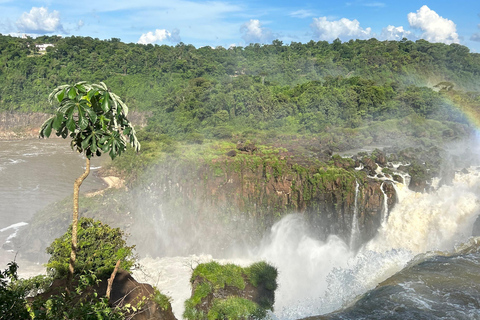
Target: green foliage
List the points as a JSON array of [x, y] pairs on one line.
[[77, 305], [12, 297], [262, 274], [163, 301], [212, 277], [93, 116], [99, 249], [235, 308], [220, 275]]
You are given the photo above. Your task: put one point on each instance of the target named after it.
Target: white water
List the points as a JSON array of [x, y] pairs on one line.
[[355, 233], [317, 277]]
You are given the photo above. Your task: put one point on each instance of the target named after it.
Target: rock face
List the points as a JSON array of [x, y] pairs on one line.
[[187, 206], [256, 192]]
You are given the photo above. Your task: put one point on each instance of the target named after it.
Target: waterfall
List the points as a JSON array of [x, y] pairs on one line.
[[354, 237], [321, 276], [385, 204]]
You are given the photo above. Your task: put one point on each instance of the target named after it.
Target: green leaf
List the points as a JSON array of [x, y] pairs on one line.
[[106, 102], [71, 124], [46, 129], [93, 146], [72, 93], [61, 95], [57, 123], [91, 93], [86, 142], [91, 114], [82, 121], [81, 88]]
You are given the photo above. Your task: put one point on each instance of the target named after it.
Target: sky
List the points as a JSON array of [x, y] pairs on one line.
[[239, 23]]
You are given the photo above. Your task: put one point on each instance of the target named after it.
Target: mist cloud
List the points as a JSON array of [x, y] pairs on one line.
[[435, 28]]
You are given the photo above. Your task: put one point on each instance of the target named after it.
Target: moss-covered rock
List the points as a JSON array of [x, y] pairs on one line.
[[231, 292]]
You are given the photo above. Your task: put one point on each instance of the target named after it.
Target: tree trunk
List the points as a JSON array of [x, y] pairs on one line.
[[73, 253]]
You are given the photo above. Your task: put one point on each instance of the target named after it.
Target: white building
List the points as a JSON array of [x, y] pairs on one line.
[[43, 47]]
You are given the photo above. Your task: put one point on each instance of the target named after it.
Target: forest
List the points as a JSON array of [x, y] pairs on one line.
[[341, 94]]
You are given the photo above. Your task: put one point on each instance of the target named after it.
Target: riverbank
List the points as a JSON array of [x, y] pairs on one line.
[[21, 126], [112, 182]]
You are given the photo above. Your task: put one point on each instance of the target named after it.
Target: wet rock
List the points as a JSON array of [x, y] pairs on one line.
[[370, 165], [380, 157], [398, 178], [246, 146], [232, 153]]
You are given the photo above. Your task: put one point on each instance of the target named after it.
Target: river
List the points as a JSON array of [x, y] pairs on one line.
[[422, 264], [34, 173]]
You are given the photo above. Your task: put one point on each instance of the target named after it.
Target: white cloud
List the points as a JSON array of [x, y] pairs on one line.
[[435, 28], [394, 33], [301, 14], [343, 28], [80, 24], [253, 32], [39, 20], [158, 36], [375, 4]]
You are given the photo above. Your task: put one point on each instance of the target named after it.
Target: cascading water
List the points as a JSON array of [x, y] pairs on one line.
[[318, 277], [354, 236], [385, 204]]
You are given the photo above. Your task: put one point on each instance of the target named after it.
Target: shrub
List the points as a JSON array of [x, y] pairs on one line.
[[12, 298], [99, 248]]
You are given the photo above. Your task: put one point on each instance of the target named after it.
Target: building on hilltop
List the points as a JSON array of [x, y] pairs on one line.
[[42, 48]]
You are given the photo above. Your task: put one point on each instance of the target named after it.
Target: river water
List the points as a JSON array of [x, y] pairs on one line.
[[423, 263], [34, 173]]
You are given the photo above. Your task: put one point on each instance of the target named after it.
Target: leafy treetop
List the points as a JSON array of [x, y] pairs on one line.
[[93, 116]]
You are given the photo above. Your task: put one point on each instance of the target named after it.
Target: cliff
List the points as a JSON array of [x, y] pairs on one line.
[[189, 204]]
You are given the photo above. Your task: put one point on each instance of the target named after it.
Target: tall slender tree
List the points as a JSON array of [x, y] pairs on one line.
[[96, 120]]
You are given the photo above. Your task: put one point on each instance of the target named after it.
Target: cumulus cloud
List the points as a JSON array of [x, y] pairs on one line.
[[253, 32], [40, 20], [344, 29], [160, 35], [301, 14], [435, 28], [394, 33]]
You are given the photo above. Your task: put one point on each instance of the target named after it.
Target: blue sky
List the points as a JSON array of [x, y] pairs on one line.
[[226, 23]]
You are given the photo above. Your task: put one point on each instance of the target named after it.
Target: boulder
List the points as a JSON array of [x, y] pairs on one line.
[[231, 292], [370, 165]]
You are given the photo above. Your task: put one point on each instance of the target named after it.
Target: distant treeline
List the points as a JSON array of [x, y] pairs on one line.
[[297, 87]]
